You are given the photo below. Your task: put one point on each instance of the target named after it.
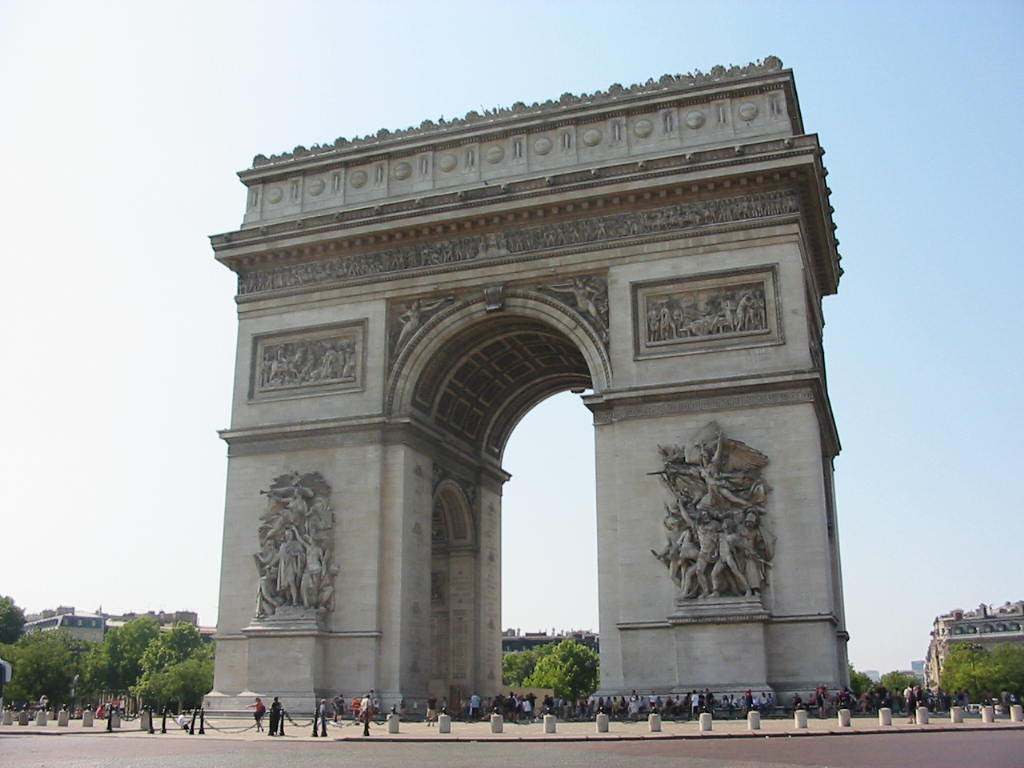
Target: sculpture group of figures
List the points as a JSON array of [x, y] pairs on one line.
[[696, 314], [719, 542], [296, 558], [308, 361]]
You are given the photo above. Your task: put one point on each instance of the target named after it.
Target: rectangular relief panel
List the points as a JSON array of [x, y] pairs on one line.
[[310, 361], [725, 310]]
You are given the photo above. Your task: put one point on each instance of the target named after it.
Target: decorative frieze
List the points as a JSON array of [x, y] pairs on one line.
[[706, 313], [521, 242], [309, 361]]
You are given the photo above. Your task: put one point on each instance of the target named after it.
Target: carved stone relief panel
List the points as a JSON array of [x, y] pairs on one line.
[[296, 564], [309, 361], [719, 541], [705, 313]]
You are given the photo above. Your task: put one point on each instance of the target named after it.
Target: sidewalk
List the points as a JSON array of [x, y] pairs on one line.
[[533, 732]]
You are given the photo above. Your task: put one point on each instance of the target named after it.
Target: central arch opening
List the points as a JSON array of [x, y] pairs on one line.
[[473, 384], [486, 379]]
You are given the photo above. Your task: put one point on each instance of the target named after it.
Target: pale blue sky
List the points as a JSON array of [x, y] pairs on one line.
[[123, 125]]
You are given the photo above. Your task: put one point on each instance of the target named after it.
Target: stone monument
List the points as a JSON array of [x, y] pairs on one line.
[[405, 298]]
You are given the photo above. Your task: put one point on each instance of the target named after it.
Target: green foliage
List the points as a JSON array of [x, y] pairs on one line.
[[12, 620], [183, 682], [859, 682], [897, 682], [45, 664], [171, 648], [570, 668], [115, 665], [983, 673], [517, 666], [176, 667]]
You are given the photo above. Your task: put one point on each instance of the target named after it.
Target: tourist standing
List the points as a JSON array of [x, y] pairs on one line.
[[275, 716]]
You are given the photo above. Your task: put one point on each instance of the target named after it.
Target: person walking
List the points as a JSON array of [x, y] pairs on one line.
[[366, 712], [259, 710]]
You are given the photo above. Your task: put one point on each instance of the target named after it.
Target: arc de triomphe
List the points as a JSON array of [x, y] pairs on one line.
[[404, 299]]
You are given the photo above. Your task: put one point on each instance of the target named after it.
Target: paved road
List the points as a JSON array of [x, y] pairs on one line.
[[898, 750]]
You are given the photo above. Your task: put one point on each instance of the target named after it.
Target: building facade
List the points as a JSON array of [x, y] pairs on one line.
[[513, 641], [986, 626]]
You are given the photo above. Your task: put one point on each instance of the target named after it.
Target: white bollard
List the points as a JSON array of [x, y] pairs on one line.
[[444, 724], [41, 717], [753, 721], [497, 724], [549, 724], [393, 723], [988, 714], [62, 719], [1017, 713], [705, 721], [921, 716], [844, 718], [602, 723], [23, 718], [87, 717], [654, 722], [144, 720], [800, 718], [885, 716], [8, 717], [956, 714], [115, 720]]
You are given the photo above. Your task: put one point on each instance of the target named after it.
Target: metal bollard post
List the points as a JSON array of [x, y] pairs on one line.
[[202, 722], [151, 720], [110, 721], [192, 725], [163, 721], [316, 716], [280, 723]]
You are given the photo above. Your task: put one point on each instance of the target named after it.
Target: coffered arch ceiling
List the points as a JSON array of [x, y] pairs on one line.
[[483, 380]]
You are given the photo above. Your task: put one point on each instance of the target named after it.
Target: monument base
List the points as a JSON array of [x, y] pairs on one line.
[[720, 644]]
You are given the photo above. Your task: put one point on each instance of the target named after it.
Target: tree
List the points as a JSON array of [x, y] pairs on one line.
[[570, 668], [116, 664], [983, 673], [177, 666], [897, 682], [183, 683], [169, 648], [45, 664], [12, 620], [519, 665], [859, 682]]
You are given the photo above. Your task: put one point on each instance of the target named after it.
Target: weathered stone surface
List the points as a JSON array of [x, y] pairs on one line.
[[400, 311]]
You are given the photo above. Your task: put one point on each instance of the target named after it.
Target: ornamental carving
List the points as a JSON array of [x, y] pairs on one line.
[[409, 317], [519, 242], [296, 558], [322, 359], [706, 313], [588, 296], [666, 83], [718, 541]]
